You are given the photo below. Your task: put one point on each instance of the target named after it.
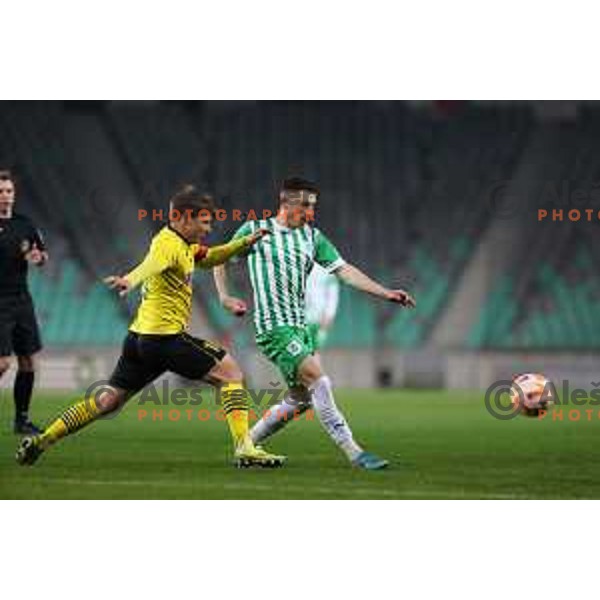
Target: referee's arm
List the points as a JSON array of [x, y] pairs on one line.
[[38, 253]]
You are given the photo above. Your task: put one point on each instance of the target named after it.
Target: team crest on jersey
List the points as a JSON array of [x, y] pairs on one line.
[[25, 246], [294, 348]]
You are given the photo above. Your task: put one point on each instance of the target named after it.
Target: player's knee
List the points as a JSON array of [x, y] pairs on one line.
[[27, 363], [229, 370], [309, 371], [4, 364]]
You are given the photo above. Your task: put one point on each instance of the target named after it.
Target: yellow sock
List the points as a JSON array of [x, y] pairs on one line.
[[235, 406], [73, 419]]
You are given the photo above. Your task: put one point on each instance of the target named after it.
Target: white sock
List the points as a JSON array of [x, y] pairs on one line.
[[276, 418], [332, 419]]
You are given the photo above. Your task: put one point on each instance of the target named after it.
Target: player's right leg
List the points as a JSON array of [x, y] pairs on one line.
[[227, 377], [296, 402], [199, 359]]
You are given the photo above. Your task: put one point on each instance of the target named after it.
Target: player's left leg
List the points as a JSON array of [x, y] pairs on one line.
[[131, 374], [70, 421], [311, 374]]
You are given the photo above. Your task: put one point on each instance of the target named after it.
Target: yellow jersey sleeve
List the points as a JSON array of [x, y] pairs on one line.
[[217, 255], [161, 256]]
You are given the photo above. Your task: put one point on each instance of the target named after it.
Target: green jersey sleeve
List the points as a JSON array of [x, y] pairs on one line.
[[326, 254]]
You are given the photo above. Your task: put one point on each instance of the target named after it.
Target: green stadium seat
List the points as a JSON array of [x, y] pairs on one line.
[[569, 318], [71, 317]]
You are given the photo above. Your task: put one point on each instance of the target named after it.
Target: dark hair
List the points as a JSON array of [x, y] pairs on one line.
[[188, 198], [297, 184], [6, 175]]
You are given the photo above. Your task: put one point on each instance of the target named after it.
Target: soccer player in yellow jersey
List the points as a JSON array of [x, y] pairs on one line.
[[157, 340]]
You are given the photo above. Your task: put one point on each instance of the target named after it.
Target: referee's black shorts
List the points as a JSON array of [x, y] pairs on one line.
[[146, 357], [19, 331]]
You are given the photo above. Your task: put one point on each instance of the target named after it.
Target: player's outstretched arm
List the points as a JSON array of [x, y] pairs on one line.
[[217, 255], [156, 261], [232, 304], [354, 277]]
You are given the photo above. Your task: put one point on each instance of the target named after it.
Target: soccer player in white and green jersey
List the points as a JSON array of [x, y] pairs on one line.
[[279, 266]]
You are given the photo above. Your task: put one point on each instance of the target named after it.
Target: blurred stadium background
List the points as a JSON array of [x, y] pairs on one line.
[[439, 197]]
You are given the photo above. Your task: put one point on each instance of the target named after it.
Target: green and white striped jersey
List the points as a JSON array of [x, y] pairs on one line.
[[279, 266]]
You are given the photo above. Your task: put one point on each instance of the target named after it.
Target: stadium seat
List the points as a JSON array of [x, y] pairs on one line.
[[70, 316]]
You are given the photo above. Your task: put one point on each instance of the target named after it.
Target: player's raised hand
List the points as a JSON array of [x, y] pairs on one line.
[[258, 235], [234, 305], [401, 297], [116, 282]]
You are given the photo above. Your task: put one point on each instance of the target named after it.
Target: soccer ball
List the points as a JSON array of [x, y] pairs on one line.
[[531, 393]]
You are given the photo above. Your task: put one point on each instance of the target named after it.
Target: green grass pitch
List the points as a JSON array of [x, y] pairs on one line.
[[440, 444]]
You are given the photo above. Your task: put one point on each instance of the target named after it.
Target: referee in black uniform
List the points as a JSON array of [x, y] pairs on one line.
[[20, 244]]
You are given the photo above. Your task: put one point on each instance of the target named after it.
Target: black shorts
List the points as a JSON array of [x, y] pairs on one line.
[[144, 358], [19, 331]]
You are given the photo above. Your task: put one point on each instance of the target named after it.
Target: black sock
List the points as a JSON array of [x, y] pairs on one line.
[[22, 393]]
